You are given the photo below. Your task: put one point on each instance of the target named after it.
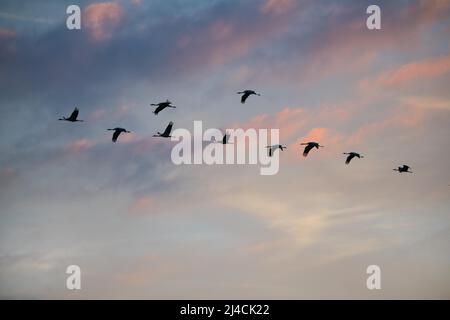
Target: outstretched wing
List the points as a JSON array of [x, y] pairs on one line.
[[74, 115], [245, 96], [116, 135], [225, 138], [168, 129], [307, 149], [159, 108], [349, 158]]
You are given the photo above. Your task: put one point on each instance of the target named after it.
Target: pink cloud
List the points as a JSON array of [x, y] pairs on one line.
[[227, 39], [142, 203], [128, 138], [278, 7], [97, 115], [350, 47], [144, 145], [102, 18], [429, 10], [123, 109], [288, 120], [80, 145], [7, 43], [419, 70], [7, 34], [405, 117], [293, 121], [331, 139]]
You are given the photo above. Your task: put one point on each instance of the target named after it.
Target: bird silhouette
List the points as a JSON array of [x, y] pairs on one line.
[[351, 155], [73, 117], [166, 133], [225, 138], [273, 148], [309, 146], [161, 106], [117, 132], [403, 168], [246, 94]]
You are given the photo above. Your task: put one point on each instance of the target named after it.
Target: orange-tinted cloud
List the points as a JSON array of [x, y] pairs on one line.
[[97, 114], [349, 46], [227, 39], [123, 109], [427, 103], [288, 120], [401, 118], [80, 145], [293, 121], [102, 18], [429, 10], [142, 203], [420, 70], [128, 137], [324, 136]]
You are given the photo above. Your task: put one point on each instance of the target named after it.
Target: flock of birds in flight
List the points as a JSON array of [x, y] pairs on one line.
[[245, 94]]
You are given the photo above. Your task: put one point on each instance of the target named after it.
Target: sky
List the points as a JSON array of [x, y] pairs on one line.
[[141, 227]]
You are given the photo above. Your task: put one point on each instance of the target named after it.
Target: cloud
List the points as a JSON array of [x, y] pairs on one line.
[[102, 18], [426, 69], [285, 118], [432, 103], [278, 7], [401, 118], [7, 34], [343, 43], [429, 10], [142, 203], [316, 214], [293, 121], [80, 145], [302, 228], [136, 2], [11, 16], [7, 41], [98, 114]]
